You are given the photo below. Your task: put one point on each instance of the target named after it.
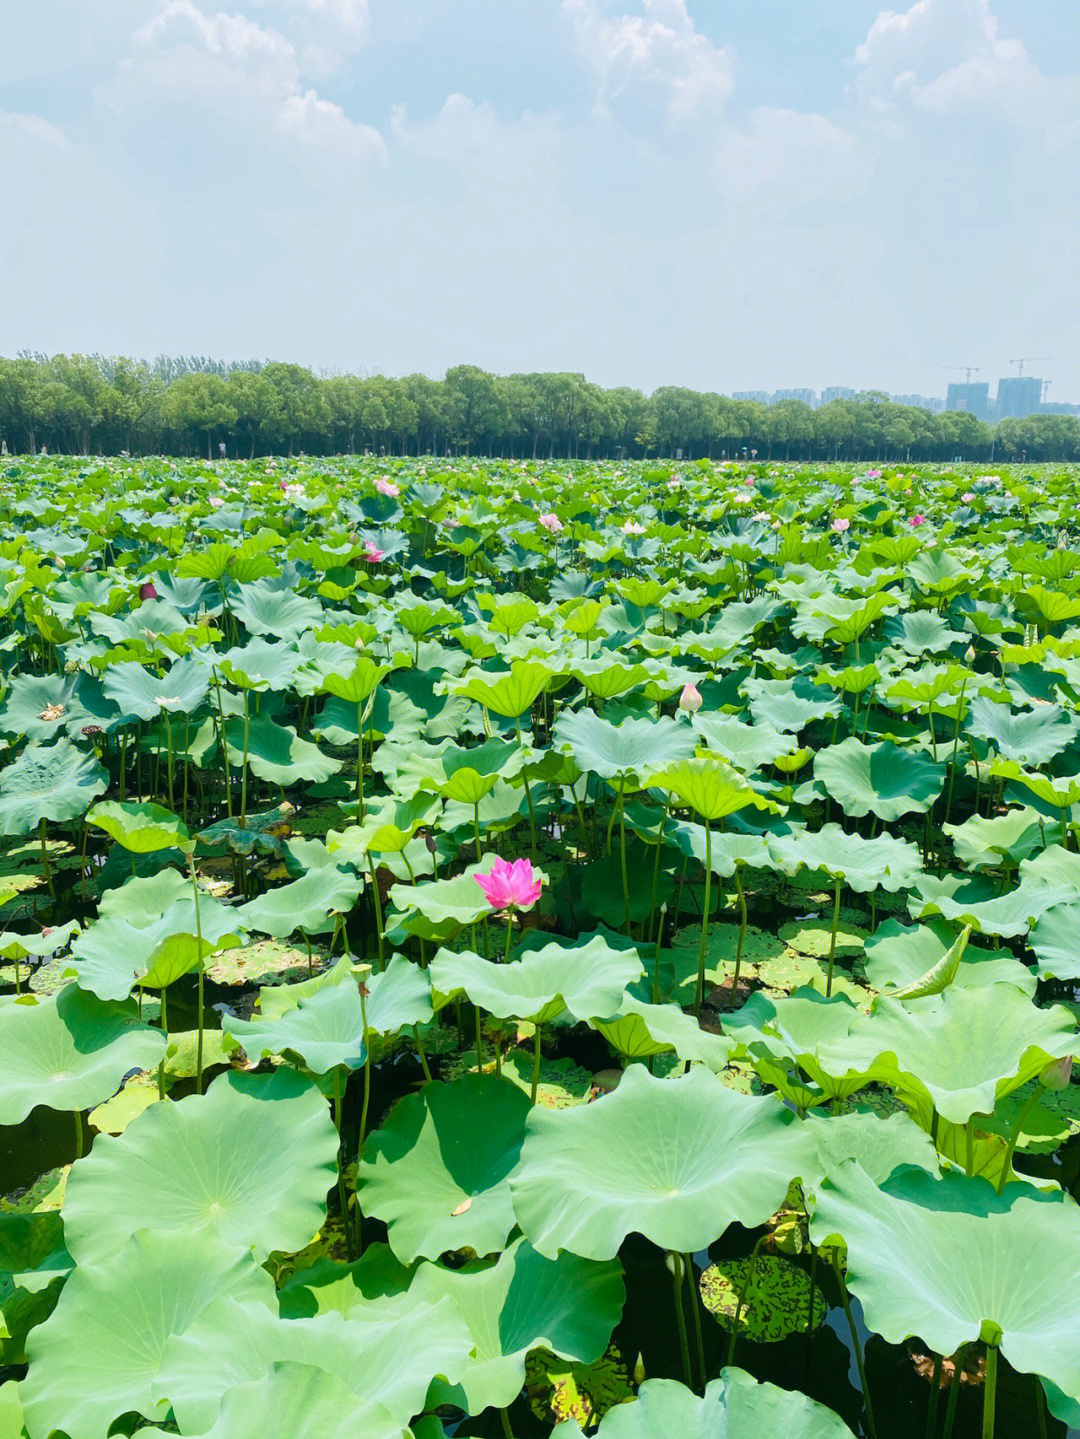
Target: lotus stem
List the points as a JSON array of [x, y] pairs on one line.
[[476, 829], [528, 797], [1014, 1137], [743, 1295], [244, 763], [700, 996], [360, 763], [45, 858], [695, 1308], [935, 1394], [832, 939], [680, 1317], [420, 1052], [509, 936], [742, 936], [536, 1061], [990, 1392], [164, 1021], [378, 908], [224, 741], [855, 1344], [810, 1313], [955, 747], [169, 750], [198, 938], [622, 851], [656, 873], [508, 1433], [1040, 1406], [954, 1390], [479, 1040], [80, 1137], [343, 1197]]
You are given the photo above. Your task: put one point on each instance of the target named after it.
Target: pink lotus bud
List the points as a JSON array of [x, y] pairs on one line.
[[690, 699], [1058, 1074], [147, 591], [917, 520], [969, 654]]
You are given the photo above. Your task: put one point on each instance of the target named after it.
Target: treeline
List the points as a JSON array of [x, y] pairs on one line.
[[92, 404]]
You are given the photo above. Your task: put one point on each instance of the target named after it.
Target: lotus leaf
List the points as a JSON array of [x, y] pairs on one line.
[[586, 979], [880, 779], [48, 782]]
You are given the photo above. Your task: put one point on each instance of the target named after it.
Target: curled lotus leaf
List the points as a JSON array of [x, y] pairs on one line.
[[880, 779]]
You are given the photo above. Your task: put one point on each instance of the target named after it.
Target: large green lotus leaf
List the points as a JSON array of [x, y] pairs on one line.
[[50, 782], [567, 1305], [277, 999], [734, 1406], [372, 1350], [97, 1355], [880, 779], [1053, 937], [727, 852], [508, 694], [114, 955], [880, 1145], [964, 1049], [921, 631], [682, 1159], [140, 828], [623, 751], [949, 1260], [440, 910], [266, 610], [586, 979], [300, 1400], [11, 1411], [249, 1161], [1058, 791], [399, 997], [981, 843], [789, 705], [69, 1051], [1033, 737], [357, 684], [709, 786], [806, 1030], [898, 955], [437, 1170], [276, 754], [260, 665], [264, 832], [470, 774], [322, 1031], [42, 706], [387, 827], [638, 1030], [139, 896], [972, 899], [863, 864], [746, 746], [604, 677], [140, 694], [308, 903]]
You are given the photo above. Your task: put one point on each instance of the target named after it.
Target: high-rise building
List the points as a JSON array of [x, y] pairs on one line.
[[919, 402], [836, 392], [761, 395], [973, 398], [1018, 396], [808, 397]]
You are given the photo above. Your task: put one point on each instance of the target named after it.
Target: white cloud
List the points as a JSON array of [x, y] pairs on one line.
[[246, 72], [786, 158], [659, 50], [945, 56], [476, 140]]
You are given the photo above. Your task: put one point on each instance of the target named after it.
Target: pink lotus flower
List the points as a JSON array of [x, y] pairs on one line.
[[690, 699], [873, 474], [840, 524], [967, 497], [372, 553], [1058, 1074], [510, 886], [387, 487], [551, 523], [215, 502], [147, 591], [917, 520]]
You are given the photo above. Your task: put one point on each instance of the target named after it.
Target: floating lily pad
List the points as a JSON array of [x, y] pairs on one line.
[[777, 1297]]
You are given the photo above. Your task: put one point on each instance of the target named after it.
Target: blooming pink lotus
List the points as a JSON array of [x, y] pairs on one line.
[[510, 886], [967, 497], [873, 474], [690, 699], [372, 553], [147, 591], [841, 524], [387, 487], [551, 523], [917, 520]]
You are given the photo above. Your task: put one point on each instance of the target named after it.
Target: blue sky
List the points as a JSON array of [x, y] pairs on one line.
[[751, 194]]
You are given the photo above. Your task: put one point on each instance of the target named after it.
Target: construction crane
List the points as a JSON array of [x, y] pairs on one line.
[[968, 370], [1030, 359]]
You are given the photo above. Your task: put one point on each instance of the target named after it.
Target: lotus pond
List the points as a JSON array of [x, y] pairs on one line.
[[496, 949]]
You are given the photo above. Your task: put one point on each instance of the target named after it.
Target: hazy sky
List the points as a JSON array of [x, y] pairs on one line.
[[750, 194]]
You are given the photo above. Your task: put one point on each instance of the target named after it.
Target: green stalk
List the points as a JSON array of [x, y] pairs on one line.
[[343, 1197], [743, 1294], [509, 936], [169, 750], [224, 741], [656, 871], [935, 1394], [244, 765], [680, 1317], [695, 1308], [1014, 1137], [198, 937], [622, 852], [699, 999], [954, 1390], [990, 1392], [420, 1052], [80, 1136], [742, 936], [362, 1134], [165, 1031], [846, 1301], [536, 1061], [528, 797], [378, 909], [45, 859], [832, 940], [359, 763]]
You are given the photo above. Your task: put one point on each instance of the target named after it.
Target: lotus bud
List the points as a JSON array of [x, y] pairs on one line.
[[690, 699], [60, 562], [639, 1371], [1058, 1074], [147, 591], [969, 654]]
